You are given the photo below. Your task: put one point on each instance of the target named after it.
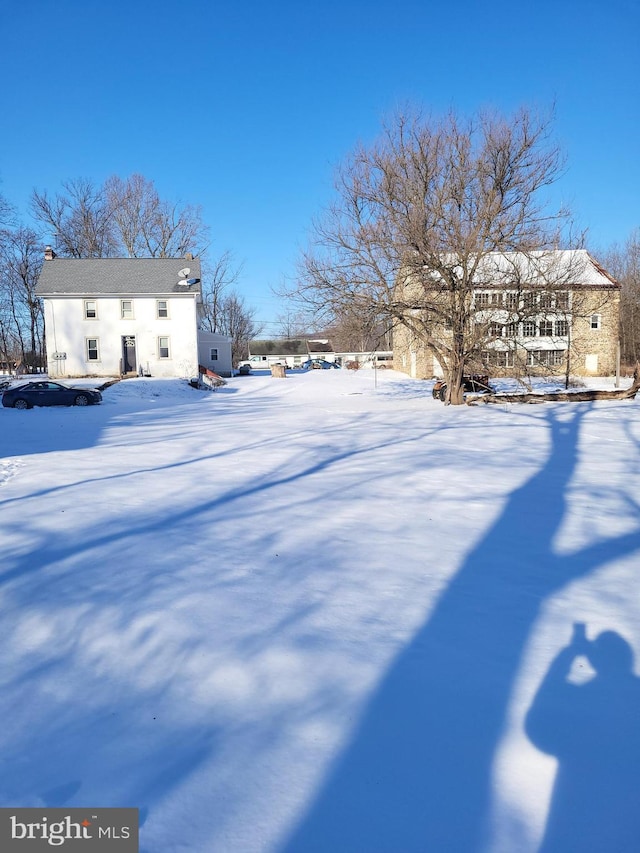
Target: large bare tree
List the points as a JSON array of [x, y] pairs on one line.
[[79, 219], [121, 218], [150, 227], [418, 214]]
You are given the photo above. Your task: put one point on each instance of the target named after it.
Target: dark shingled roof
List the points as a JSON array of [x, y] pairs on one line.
[[281, 347], [78, 276]]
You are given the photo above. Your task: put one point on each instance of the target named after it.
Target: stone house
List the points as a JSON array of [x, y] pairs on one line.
[[533, 316], [125, 316]]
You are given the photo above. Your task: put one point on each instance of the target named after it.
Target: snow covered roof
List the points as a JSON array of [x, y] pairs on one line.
[[554, 268], [110, 276]]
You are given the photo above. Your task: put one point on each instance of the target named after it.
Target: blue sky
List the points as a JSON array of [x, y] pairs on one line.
[[245, 108]]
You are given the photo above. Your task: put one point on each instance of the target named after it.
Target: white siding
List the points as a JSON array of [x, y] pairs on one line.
[[67, 331], [211, 340]]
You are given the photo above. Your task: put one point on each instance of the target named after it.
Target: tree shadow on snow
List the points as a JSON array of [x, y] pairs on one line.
[[417, 774]]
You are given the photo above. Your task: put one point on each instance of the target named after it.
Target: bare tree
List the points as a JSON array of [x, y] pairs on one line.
[[21, 319], [7, 214], [120, 218], [415, 218], [80, 220], [218, 277], [237, 321], [293, 325], [147, 226], [624, 264], [358, 332]]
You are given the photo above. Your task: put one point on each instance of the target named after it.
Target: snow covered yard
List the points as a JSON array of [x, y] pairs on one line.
[[324, 614]]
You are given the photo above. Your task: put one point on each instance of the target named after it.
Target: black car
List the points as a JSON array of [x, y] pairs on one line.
[[47, 393]]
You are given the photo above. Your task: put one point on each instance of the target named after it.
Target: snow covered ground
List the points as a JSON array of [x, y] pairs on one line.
[[325, 613]]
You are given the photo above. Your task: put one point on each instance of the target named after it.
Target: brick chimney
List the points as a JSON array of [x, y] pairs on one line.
[[49, 254]]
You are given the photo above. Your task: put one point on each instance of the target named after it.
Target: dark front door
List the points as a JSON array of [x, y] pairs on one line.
[[129, 354]]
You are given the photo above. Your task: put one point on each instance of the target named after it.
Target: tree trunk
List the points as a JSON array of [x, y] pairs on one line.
[[455, 385]]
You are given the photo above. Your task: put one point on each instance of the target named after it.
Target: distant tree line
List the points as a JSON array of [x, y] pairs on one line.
[[119, 218], [623, 262]]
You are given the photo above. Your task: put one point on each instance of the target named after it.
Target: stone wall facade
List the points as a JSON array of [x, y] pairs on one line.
[[591, 340]]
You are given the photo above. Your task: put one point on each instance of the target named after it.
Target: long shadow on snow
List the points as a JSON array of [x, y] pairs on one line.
[[417, 775]]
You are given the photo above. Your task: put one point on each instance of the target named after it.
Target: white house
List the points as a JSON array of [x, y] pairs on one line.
[[119, 316]]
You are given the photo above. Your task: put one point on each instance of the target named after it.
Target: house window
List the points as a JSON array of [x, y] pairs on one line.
[[498, 358], [93, 350], [126, 309], [562, 328], [545, 358], [162, 308], [482, 300], [163, 347], [511, 301], [596, 321], [529, 329], [511, 330], [496, 300], [545, 301], [546, 328], [213, 354], [90, 309], [495, 330], [529, 299], [562, 300]]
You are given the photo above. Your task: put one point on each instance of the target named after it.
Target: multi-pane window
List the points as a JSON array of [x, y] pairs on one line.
[[546, 328], [496, 299], [495, 330], [162, 308], [126, 309], [511, 330], [213, 354], [545, 358], [529, 299], [482, 300], [498, 358], [529, 329], [562, 328], [511, 301], [163, 347], [595, 321], [503, 358], [545, 301], [562, 300], [93, 350], [90, 309]]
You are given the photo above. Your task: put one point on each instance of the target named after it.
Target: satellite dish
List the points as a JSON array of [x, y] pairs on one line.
[[185, 272]]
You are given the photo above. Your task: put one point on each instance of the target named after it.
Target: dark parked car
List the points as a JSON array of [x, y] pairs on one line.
[[47, 393], [472, 384], [318, 364]]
